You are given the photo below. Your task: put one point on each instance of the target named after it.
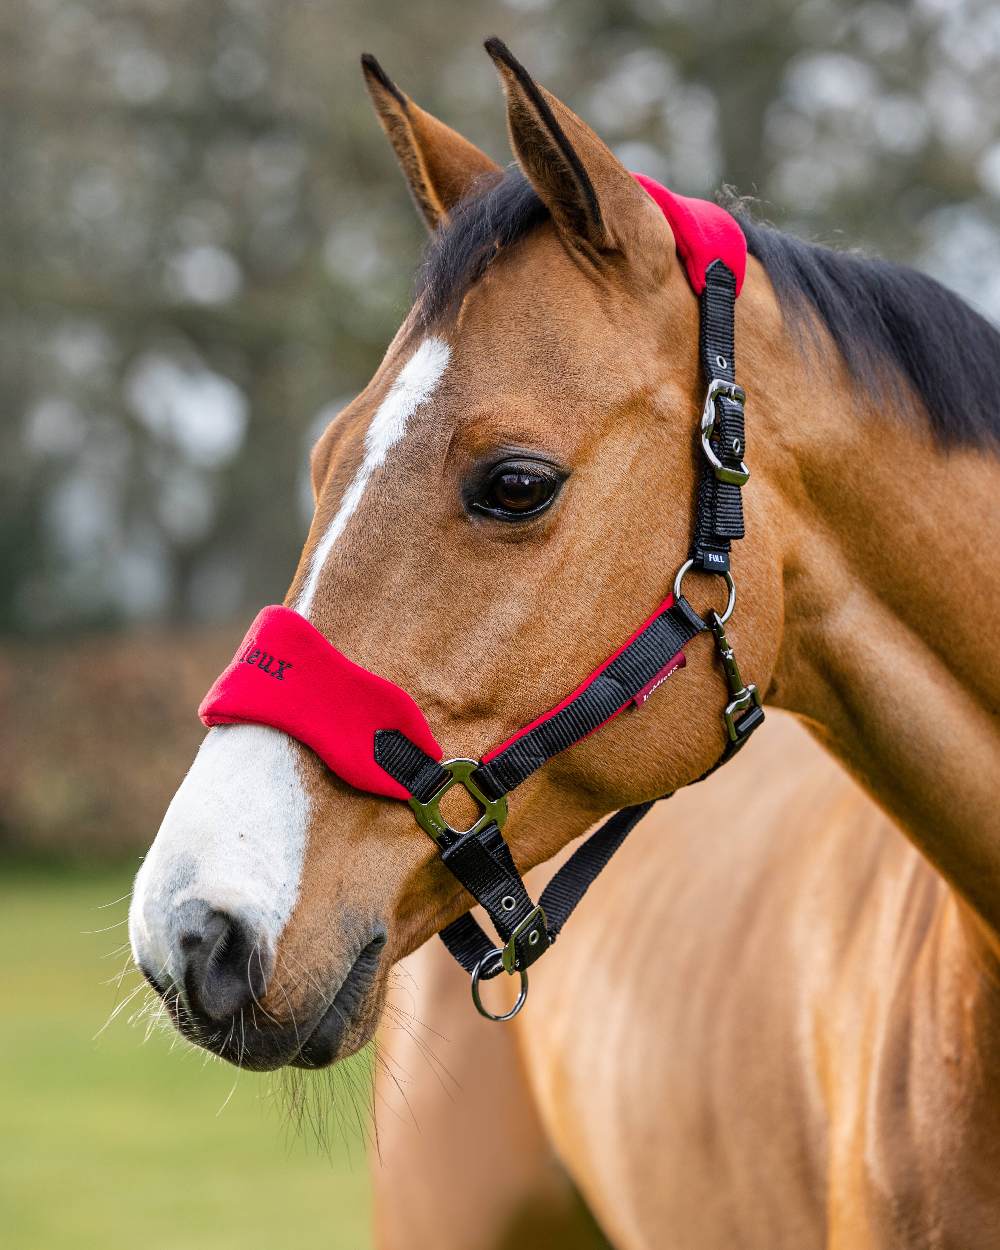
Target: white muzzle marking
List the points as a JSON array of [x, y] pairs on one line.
[[235, 833]]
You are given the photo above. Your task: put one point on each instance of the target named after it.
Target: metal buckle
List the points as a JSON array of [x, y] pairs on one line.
[[718, 388], [429, 816], [742, 696], [509, 953]]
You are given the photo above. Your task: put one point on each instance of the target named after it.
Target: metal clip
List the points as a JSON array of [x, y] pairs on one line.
[[742, 696], [719, 388]]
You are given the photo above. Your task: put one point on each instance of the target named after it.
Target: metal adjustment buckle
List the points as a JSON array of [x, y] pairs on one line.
[[534, 918], [742, 696], [428, 814], [718, 388]]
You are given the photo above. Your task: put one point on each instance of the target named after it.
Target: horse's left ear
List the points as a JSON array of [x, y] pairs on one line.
[[438, 164], [595, 202]]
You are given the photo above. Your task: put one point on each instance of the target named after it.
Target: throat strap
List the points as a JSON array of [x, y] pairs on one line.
[[471, 946]]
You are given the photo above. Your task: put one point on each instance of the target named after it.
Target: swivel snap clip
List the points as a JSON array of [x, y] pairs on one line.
[[743, 696]]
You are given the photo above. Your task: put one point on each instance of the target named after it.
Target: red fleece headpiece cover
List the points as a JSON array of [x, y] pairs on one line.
[[286, 674], [703, 232]]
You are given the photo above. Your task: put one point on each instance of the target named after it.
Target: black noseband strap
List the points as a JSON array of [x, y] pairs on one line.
[[480, 858]]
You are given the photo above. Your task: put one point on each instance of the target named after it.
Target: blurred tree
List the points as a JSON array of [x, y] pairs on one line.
[[206, 243]]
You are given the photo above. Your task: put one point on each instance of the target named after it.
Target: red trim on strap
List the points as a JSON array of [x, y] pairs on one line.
[[702, 231], [671, 664], [287, 675]]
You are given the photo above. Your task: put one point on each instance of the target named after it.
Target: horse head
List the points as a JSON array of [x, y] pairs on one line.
[[504, 503]]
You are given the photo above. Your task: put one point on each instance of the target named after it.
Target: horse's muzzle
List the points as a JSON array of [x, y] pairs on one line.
[[227, 1001]]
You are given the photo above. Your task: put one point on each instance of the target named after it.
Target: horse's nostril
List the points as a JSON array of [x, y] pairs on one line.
[[225, 966]]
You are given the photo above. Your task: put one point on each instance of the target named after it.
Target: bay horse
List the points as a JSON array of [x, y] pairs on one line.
[[496, 510]]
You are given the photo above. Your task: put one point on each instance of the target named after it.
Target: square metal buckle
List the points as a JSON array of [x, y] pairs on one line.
[[429, 816], [509, 952], [718, 388]]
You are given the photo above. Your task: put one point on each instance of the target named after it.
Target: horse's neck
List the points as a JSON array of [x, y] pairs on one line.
[[891, 597]]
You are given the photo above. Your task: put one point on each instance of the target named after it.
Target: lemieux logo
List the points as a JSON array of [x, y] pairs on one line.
[[655, 682], [267, 663]]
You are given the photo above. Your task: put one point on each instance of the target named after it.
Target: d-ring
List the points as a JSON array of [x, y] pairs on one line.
[[730, 586], [485, 1011]]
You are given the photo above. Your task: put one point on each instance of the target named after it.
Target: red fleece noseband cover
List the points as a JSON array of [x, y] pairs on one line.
[[287, 675]]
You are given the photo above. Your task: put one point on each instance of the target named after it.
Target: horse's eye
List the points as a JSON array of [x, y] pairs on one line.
[[515, 491]]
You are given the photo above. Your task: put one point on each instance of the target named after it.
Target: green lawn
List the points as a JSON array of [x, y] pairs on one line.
[[115, 1143]]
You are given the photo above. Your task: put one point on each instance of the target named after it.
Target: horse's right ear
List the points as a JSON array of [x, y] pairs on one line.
[[438, 164]]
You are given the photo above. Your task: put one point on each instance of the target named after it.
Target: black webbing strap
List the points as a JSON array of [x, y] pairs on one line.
[[468, 943], [611, 690], [719, 507], [484, 865], [406, 763]]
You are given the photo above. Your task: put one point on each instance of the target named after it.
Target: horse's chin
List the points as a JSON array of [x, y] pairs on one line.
[[332, 1039]]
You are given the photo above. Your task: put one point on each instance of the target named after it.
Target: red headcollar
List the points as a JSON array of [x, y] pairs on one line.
[[286, 674]]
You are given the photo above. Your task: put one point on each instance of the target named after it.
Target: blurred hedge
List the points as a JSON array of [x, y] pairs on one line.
[[95, 737]]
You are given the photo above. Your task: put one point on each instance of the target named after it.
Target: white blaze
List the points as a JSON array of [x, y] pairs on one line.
[[417, 382], [235, 833]]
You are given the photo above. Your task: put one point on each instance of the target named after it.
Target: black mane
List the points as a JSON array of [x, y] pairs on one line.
[[887, 321]]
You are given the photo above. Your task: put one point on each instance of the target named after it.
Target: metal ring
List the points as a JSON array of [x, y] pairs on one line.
[[730, 586], [477, 972]]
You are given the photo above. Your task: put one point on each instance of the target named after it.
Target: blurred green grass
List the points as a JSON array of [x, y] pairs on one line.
[[112, 1143]]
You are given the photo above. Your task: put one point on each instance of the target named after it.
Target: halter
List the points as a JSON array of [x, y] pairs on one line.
[[372, 735]]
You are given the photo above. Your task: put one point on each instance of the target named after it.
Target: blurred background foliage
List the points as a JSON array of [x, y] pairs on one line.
[[207, 245], [205, 248]]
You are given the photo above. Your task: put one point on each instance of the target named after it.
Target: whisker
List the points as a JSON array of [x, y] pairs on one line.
[[114, 902]]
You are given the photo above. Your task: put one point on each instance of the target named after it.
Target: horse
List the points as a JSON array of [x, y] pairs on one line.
[[750, 1080], [498, 508]]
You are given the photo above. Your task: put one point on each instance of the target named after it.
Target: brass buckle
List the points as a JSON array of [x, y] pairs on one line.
[[718, 388], [429, 816], [509, 953]]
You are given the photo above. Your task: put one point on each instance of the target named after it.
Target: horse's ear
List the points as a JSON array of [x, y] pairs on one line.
[[438, 164], [594, 201]]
